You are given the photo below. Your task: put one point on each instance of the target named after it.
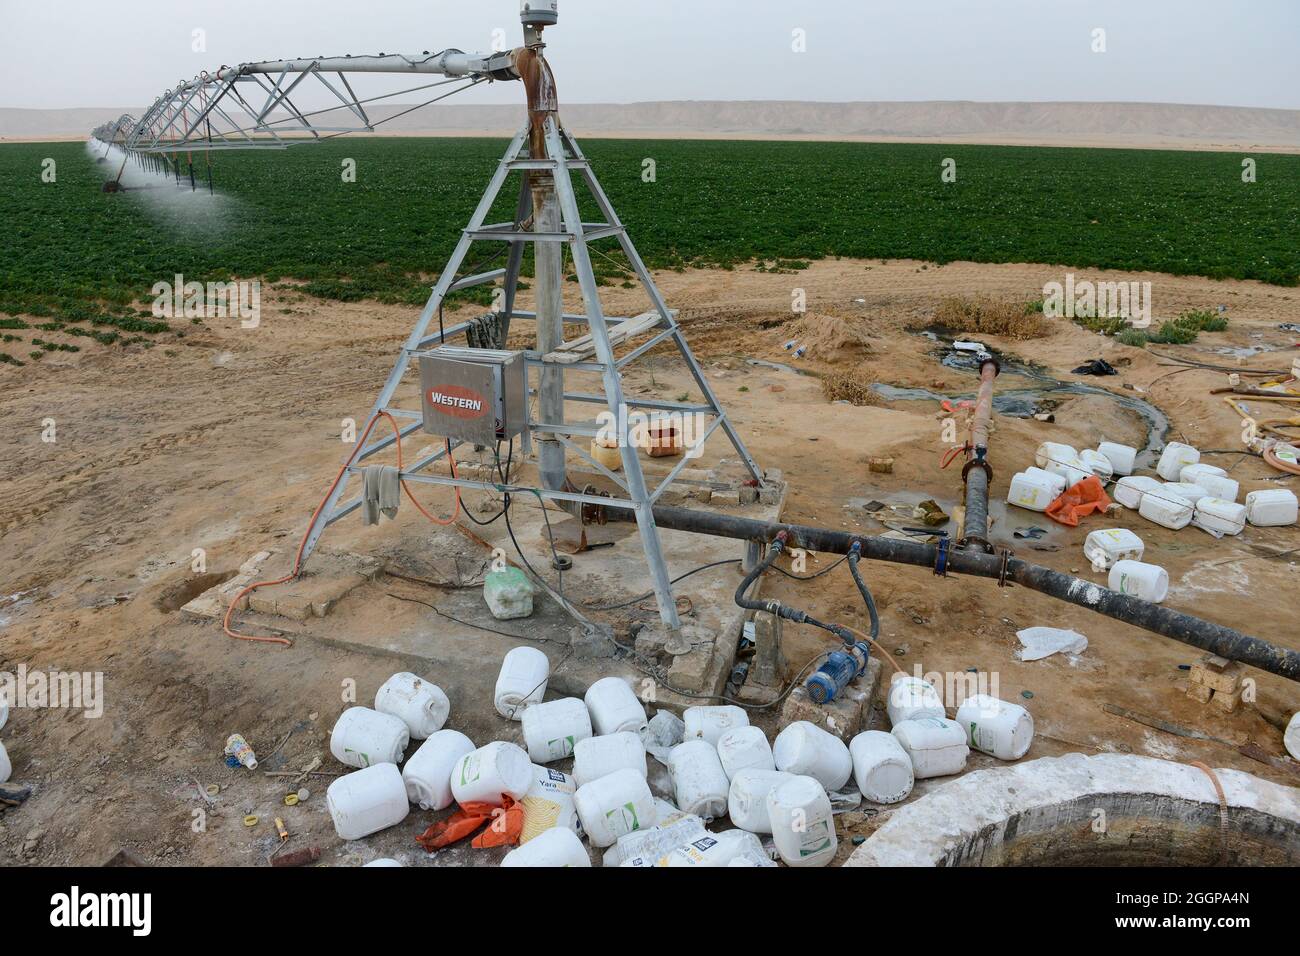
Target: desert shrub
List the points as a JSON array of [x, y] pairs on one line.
[[1202, 320], [1171, 333], [984, 315], [852, 387]]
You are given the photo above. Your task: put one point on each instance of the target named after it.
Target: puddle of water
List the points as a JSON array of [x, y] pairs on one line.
[[1245, 352], [1005, 520], [776, 366], [1044, 394]]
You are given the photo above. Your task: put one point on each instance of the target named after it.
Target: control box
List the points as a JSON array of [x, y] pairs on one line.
[[474, 395]]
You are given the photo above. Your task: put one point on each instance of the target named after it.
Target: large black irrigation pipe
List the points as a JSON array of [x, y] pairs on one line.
[[1214, 638]]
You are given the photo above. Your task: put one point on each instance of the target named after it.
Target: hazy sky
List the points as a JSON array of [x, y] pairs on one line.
[[63, 53]]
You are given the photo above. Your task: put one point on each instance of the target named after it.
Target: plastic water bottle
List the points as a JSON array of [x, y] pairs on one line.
[[237, 747]]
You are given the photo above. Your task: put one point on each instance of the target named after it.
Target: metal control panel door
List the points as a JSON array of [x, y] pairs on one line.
[[462, 400]]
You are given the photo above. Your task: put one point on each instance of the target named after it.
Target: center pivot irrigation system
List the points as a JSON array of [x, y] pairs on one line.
[[481, 395]]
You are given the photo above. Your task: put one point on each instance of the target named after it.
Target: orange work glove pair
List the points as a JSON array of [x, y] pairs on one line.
[[506, 824], [1079, 501]]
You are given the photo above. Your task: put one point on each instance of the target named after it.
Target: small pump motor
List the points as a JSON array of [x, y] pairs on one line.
[[539, 13], [829, 680]]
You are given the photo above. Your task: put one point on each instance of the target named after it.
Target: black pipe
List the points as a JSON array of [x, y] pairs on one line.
[[855, 552], [773, 606], [977, 473], [976, 525], [1214, 638]]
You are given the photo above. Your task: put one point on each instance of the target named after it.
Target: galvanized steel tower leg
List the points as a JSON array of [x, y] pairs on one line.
[[647, 281], [327, 512], [613, 383]]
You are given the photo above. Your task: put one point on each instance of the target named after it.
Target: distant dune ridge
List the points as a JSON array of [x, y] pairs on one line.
[[1055, 124]]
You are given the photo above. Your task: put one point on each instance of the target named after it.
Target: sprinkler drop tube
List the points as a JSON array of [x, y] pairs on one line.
[[1210, 637]]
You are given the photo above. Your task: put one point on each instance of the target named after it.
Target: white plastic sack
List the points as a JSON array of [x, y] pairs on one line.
[[1039, 642]]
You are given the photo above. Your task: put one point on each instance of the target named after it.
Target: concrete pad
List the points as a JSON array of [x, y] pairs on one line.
[[212, 603], [328, 577], [606, 576], [1049, 807]]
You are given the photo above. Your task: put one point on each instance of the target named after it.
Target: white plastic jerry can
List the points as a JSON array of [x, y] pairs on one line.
[[1149, 582], [803, 828], [1106, 546]]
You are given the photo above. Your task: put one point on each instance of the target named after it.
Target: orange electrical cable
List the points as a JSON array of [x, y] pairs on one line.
[[951, 454], [1270, 456], [297, 561], [456, 511]]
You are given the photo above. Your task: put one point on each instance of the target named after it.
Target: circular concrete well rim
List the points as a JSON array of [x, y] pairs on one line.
[[972, 819]]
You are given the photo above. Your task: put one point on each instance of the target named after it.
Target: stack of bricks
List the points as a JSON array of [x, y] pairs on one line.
[[1216, 680]]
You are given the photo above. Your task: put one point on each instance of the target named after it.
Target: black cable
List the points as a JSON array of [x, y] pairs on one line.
[[680, 692], [651, 593], [505, 500], [692, 695], [809, 577], [509, 500], [520, 551], [772, 553], [477, 627], [774, 606]]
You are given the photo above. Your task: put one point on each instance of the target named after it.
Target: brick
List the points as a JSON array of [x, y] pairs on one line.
[[770, 493], [690, 671], [1220, 675], [1200, 692], [1227, 703], [845, 716]]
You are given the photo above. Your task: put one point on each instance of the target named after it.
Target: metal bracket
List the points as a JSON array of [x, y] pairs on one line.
[[1006, 556]]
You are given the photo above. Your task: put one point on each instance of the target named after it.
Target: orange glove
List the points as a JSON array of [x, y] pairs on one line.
[[1079, 501], [507, 822]]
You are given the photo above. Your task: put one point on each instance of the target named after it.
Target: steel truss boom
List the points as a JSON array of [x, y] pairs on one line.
[[256, 104]]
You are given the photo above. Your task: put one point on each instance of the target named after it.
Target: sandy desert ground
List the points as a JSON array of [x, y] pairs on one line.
[[226, 440]]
